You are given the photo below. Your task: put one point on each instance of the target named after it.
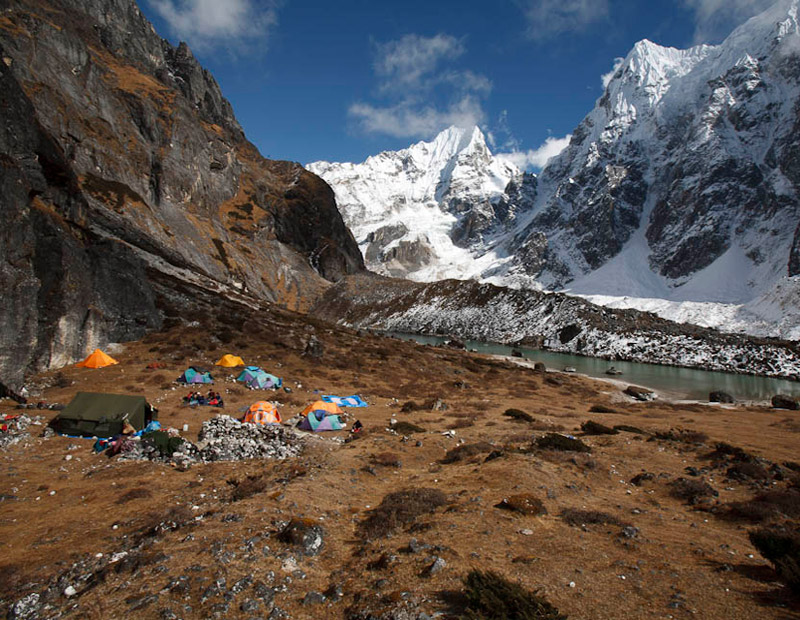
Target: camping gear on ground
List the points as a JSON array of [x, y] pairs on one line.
[[262, 412], [257, 379], [357, 426], [97, 359], [230, 361], [321, 416], [91, 414], [345, 401], [194, 374], [193, 399]]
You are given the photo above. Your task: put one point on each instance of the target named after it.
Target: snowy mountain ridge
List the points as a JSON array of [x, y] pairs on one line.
[[682, 184]]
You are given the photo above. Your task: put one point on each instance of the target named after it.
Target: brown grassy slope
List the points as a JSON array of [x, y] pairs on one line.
[[683, 561]]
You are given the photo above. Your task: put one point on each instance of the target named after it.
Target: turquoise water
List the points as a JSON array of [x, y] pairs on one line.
[[670, 381]]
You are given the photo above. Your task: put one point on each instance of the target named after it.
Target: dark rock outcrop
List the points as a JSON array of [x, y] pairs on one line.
[[130, 192]]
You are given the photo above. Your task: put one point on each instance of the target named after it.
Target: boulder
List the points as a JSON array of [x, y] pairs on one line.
[[783, 401], [640, 393], [540, 368], [718, 396], [306, 534]]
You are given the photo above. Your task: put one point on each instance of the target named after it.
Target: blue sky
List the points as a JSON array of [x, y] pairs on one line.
[[344, 80]]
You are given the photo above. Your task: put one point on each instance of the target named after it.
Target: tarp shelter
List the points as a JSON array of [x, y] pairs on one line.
[[92, 414], [97, 359], [262, 412], [321, 416], [258, 379], [345, 401], [230, 361], [193, 374]]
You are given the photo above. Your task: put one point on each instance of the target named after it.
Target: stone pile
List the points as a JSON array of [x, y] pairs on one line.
[[18, 429], [224, 438]]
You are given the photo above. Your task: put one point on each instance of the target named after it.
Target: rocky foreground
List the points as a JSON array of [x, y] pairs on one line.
[[608, 507]]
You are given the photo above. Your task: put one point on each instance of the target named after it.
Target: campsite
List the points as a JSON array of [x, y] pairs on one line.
[[455, 469]]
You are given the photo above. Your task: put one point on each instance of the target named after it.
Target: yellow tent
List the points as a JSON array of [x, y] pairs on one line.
[[98, 359], [230, 361]]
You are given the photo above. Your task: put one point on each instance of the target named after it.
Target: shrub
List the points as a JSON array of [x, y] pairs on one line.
[[692, 491], [630, 429], [386, 459], [601, 409], [398, 509], [465, 451], [745, 471], [573, 516], [682, 435], [137, 493], [247, 487], [523, 503], [409, 406], [590, 427], [554, 441], [782, 548], [406, 428], [766, 506], [517, 414], [645, 476], [492, 596]]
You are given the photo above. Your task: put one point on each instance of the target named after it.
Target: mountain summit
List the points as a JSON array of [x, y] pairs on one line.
[[682, 184]]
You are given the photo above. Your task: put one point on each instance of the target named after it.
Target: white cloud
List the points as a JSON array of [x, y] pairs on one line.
[[549, 18], [421, 92], [207, 24], [537, 158], [606, 77], [406, 120], [715, 19]]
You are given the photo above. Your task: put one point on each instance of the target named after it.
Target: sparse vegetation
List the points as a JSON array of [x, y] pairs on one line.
[[399, 509], [576, 517], [523, 503], [682, 435], [782, 548], [601, 409], [590, 427], [517, 414], [766, 506], [137, 493], [692, 491], [386, 459], [466, 451], [554, 441], [247, 487], [407, 428], [626, 428], [490, 596]]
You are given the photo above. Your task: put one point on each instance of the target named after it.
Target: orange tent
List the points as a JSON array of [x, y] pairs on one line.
[[98, 359], [321, 405], [262, 412], [230, 361]]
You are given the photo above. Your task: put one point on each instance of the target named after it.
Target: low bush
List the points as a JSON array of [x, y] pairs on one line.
[[386, 459], [601, 409], [554, 441], [137, 493], [630, 429], [682, 435], [590, 427], [407, 428], [576, 517], [692, 491], [517, 414], [247, 487], [747, 471], [781, 547], [465, 451], [523, 503], [490, 596], [409, 406], [398, 509], [766, 506]]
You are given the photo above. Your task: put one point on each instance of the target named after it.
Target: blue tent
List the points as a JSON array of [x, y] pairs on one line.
[[257, 379], [195, 375]]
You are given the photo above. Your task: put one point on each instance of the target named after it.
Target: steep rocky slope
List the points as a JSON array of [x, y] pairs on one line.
[[484, 312], [130, 193]]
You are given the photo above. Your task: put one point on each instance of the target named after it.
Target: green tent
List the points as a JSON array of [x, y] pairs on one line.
[[91, 414]]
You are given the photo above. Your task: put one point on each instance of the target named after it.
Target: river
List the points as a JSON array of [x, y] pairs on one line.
[[671, 382]]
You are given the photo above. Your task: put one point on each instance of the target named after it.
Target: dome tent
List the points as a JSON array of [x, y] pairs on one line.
[[193, 374], [321, 416], [97, 359], [230, 361]]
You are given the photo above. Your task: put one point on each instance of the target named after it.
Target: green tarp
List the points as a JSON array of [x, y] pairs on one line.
[[91, 414]]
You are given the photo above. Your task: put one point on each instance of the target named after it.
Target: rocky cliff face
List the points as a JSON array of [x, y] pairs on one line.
[[130, 192]]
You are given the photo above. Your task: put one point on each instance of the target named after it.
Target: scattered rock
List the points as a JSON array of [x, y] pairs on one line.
[[782, 401], [718, 396], [640, 393], [306, 534], [314, 348], [437, 565], [313, 598]]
